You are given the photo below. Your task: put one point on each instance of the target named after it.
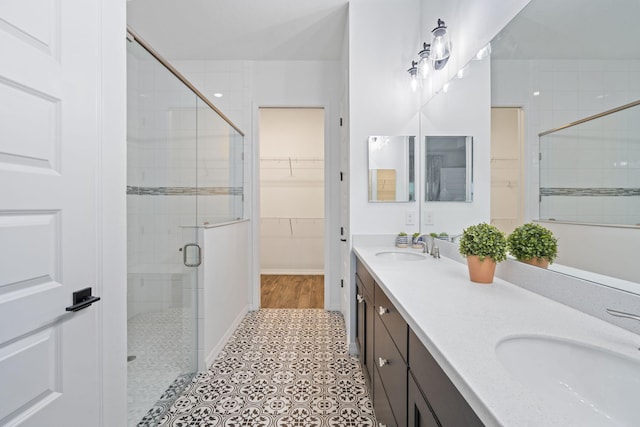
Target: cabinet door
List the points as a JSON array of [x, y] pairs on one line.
[[419, 413], [381, 405], [448, 404], [361, 328]]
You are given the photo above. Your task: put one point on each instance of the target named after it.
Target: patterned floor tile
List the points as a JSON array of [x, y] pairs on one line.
[[280, 368]]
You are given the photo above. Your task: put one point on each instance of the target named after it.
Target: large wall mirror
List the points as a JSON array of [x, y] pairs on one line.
[[548, 68], [391, 168], [580, 165]]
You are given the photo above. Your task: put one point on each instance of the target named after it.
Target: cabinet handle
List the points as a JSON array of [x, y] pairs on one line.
[[382, 362], [382, 310], [359, 298]]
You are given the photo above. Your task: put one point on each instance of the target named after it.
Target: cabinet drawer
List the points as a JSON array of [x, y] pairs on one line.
[[447, 403], [393, 321], [365, 277], [392, 370]]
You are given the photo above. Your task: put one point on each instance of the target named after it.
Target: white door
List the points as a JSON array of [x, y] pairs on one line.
[[49, 369]]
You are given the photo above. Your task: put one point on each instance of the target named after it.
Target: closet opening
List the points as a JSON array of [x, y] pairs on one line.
[[292, 209]]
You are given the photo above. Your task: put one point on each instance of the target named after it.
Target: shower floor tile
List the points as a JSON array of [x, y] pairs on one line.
[[281, 367], [158, 368]]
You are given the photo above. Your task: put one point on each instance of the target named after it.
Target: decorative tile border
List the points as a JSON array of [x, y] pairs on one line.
[[590, 192], [184, 191]]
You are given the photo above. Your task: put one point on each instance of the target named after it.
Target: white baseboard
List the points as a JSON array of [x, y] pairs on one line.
[[353, 348], [213, 354], [291, 272]]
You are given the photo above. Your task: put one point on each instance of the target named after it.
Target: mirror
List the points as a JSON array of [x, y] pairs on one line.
[[551, 66], [449, 172], [550, 63], [391, 168]]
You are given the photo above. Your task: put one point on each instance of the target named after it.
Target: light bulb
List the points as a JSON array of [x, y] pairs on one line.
[[424, 63], [440, 45], [414, 82], [413, 72]]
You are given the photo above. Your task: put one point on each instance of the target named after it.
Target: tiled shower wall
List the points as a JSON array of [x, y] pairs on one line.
[[601, 157]]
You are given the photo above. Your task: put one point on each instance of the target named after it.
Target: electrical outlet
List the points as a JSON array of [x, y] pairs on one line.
[[428, 218], [410, 217]]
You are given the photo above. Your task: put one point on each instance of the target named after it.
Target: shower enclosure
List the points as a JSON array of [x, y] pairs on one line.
[[184, 165], [590, 169]]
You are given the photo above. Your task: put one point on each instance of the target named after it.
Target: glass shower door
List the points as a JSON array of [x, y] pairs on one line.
[[162, 236]]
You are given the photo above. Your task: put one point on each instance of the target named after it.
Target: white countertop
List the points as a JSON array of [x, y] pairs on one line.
[[460, 323]]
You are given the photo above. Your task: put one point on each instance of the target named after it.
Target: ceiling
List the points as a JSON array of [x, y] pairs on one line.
[[572, 29], [241, 29]]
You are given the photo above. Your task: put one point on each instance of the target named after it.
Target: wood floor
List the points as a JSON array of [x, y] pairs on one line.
[[288, 291]]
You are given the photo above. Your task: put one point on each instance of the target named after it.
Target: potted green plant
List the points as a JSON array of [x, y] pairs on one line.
[[414, 240], [484, 246], [402, 241], [533, 244]]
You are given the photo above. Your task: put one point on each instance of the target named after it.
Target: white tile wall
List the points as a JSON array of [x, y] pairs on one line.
[[600, 153]]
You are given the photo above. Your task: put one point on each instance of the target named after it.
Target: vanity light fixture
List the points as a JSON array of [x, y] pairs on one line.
[[413, 72], [440, 46], [424, 61]]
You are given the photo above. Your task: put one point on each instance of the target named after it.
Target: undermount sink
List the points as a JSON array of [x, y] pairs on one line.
[[400, 256], [592, 386]]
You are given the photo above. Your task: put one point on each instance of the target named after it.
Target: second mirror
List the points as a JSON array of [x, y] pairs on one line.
[[448, 168]]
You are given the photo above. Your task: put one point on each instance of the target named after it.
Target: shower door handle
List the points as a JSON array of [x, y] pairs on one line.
[[184, 255]]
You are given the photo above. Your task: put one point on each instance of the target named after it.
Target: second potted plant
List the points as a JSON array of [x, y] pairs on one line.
[[484, 246], [533, 244]]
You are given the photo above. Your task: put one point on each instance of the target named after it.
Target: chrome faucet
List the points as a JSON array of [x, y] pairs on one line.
[[425, 245]]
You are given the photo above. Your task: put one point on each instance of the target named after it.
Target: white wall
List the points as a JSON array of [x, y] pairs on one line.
[[383, 38], [112, 283], [465, 109], [222, 287]]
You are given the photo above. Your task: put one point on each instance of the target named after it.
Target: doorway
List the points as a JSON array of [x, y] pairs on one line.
[[507, 148], [292, 187]]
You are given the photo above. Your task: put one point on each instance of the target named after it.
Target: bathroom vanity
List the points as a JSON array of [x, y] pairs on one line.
[[439, 350]]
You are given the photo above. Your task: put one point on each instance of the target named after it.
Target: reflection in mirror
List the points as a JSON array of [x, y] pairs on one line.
[[551, 64], [449, 173], [391, 168], [598, 153]]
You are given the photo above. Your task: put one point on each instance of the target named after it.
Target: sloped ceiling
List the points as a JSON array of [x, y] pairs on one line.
[[241, 29]]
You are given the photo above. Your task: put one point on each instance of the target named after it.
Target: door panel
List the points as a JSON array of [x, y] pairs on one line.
[[48, 212]]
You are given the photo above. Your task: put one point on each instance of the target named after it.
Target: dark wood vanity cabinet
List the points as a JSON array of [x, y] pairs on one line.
[[364, 320], [408, 386]]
